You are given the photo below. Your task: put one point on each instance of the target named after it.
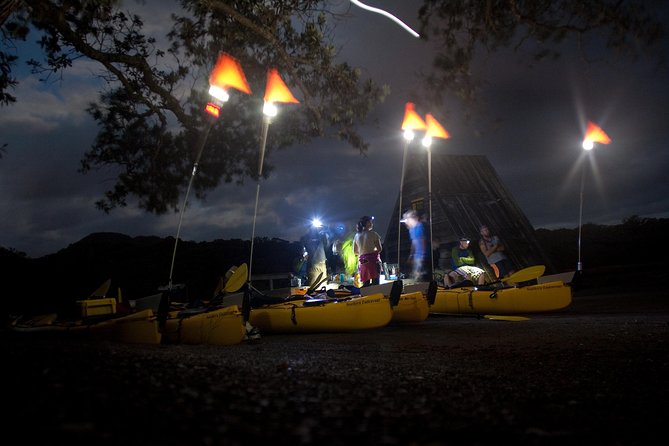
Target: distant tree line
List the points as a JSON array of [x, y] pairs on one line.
[[140, 265], [637, 241]]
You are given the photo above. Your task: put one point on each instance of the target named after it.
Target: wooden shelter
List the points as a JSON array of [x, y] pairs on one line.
[[466, 193]]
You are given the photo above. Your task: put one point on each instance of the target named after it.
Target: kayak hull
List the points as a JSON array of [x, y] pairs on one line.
[[327, 315], [222, 326], [412, 307], [135, 328], [540, 298]]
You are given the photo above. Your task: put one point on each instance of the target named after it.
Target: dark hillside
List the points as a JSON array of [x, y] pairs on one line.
[[139, 265]]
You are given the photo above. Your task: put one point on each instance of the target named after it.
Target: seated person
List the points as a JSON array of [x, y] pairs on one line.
[[464, 262], [493, 250]]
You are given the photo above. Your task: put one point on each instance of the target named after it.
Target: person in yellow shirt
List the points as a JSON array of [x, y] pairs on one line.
[[464, 265]]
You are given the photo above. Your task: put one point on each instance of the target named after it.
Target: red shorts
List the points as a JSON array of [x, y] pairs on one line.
[[368, 266]]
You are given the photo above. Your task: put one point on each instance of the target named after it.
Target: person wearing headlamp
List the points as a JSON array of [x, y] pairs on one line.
[[367, 246]]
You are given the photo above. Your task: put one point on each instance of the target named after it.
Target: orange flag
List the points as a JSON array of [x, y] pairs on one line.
[[228, 73], [434, 129], [276, 89], [596, 134], [411, 119]]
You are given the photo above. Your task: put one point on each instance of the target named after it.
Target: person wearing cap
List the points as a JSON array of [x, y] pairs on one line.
[[418, 249], [493, 250], [367, 246], [464, 265]]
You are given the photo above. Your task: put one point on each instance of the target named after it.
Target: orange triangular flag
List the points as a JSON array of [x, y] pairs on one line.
[[228, 73], [411, 119], [596, 134], [276, 89], [434, 129]]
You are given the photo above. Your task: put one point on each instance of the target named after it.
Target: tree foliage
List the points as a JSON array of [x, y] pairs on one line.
[[150, 115], [150, 112], [465, 29]]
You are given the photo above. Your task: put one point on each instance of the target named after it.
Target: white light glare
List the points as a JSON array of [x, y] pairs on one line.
[[218, 93], [427, 141], [588, 144], [269, 109], [316, 223], [409, 135], [387, 14]]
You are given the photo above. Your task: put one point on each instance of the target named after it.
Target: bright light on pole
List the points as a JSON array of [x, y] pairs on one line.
[[434, 130], [411, 122], [226, 74], [275, 91], [593, 134]]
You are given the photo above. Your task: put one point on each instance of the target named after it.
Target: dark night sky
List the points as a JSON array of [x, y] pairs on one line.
[[530, 127]]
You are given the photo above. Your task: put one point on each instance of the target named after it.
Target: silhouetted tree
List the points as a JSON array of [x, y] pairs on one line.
[[150, 111]]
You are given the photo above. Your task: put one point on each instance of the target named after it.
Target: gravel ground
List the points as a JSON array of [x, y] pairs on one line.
[[596, 372]]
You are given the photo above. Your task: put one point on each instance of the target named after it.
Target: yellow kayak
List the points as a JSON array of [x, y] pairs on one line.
[[342, 314], [544, 297], [220, 326], [412, 307], [136, 328], [413, 303]]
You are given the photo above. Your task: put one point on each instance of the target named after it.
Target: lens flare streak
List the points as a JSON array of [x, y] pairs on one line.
[[387, 14]]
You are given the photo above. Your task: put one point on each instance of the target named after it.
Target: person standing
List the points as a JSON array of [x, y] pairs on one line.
[[314, 242], [493, 250], [464, 262], [367, 246], [418, 244]]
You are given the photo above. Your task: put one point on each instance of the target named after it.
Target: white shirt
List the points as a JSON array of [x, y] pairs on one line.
[[365, 242]]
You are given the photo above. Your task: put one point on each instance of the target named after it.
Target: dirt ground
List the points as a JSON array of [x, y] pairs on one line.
[[594, 373]]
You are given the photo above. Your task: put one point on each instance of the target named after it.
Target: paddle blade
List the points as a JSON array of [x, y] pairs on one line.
[[102, 289], [219, 286], [493, 317], [237, 279], [396, 293], [432, 292], [529, 273], [318, 285], [315, 283]]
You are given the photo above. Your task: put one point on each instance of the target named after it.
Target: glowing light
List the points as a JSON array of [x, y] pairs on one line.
[[427, 141], [276, 89], [228, 73], [213, 109], [316, 223], [218, 93], [411, 119], [594, 134], [387, 14], [269, 109], [434, 129], [409, 135]]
